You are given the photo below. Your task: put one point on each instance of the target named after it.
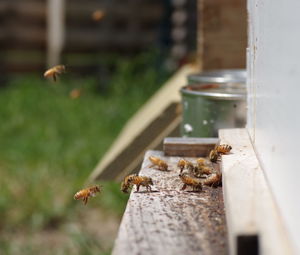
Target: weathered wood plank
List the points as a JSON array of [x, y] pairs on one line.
[[171, 221], [250, 208], [189, 146]]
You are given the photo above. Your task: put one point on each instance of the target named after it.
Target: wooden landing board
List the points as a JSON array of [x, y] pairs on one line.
[[250, 208], [171, 221], [189, 146]]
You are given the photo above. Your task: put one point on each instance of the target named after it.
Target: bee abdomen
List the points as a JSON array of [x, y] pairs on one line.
[[223, 149]]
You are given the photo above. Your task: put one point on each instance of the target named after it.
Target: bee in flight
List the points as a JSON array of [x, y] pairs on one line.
[[223, 148], [84, 194], [137, 180], [190, 181], [161, 164], [213, 180], [55, 71]]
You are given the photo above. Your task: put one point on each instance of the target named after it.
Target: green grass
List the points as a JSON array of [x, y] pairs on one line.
[[50, 143]]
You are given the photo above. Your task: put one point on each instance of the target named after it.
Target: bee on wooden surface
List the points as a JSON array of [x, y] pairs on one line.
[[213, 180], [55, 71], [182, 163], [161, 164], [223, 148], [203, 162], [213, 156], [190, 181], [200, 171], [134, 179], [84, 194]]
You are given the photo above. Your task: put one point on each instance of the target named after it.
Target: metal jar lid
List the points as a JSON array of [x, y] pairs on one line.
[[219, 76]]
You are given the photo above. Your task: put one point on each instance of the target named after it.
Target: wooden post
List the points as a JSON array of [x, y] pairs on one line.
[[222, 33], [56, 30]]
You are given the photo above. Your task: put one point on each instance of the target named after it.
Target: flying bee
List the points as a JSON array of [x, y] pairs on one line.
[[213, 180], [161, 164], [214, 156], [98, 15], [223, 148], [200, 171], [55, 71], [84, 194], [190, 181], [134, 179], [75, 93]]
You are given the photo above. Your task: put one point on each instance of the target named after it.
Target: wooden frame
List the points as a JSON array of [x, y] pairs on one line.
[[250, 208]]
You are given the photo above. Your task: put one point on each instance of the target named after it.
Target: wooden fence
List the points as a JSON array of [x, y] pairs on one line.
[[127, 26]]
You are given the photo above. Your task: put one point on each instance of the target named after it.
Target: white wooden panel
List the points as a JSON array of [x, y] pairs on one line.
[[274, 89], [250, 209]]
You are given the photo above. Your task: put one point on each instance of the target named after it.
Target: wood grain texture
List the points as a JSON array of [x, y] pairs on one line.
[[223, 34], [189, 146], [171, 221], [250, 209]]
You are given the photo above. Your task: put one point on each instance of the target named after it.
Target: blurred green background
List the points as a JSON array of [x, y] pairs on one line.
[[50, 143]]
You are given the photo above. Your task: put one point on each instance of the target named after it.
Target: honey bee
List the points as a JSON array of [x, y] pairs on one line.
[[214, 156], [202, 162], [98, 15], [55, 71], [134, 179], [190, 181], [214, 180], [84, 194], [161, 164], [75, 93], [223, 148], [182, 163], [200, 171]]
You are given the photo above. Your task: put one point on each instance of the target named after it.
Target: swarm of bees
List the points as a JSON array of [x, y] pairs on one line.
[[193, 175], [202, 169], [84, 194], [55, 71]]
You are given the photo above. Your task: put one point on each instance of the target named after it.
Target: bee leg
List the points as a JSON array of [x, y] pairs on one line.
[[150, 188], [137, 188], [183, 187], [86, 200], [54, 77]]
